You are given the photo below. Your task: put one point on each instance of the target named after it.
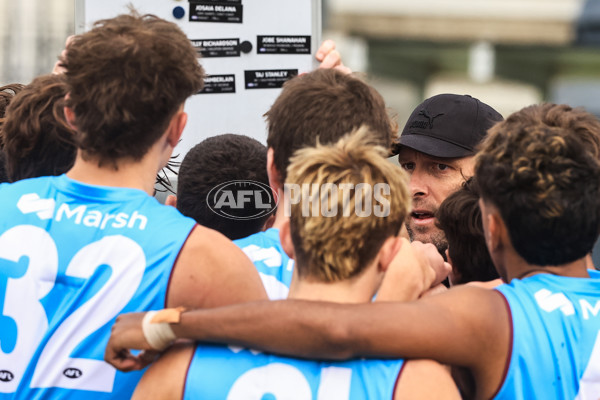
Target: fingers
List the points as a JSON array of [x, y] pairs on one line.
[[69, 41], [127, 333], [439, 269], [331, 60], [442, 271], [127, 362], [330, 57], [326, 47], [121, 359], [59, 67]]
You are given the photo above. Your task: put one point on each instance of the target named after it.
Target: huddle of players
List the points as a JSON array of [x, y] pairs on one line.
[[89, 231]]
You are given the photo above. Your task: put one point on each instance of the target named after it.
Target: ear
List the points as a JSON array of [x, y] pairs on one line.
[[176, 127], [171, 200], [388, 251], [493, 226], [70, 117], [269, 222], [285, 237], [273, 174]]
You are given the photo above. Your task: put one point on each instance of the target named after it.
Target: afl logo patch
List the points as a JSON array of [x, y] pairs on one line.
[[241, 200], [72, 373], [6, 376]]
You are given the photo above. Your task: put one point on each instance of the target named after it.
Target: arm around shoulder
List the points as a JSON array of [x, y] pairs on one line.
[[465, 326]]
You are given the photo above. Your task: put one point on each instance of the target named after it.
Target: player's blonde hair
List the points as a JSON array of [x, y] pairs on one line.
[[338, 247]]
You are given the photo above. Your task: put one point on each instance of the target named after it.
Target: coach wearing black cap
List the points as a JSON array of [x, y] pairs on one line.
[[436, 148]]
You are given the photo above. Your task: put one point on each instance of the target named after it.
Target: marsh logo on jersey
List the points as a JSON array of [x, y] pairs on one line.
[[549, 302], [32, 203], [79, 214]]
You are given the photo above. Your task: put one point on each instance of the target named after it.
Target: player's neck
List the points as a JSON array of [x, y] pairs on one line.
[[519, 268], [280, 212], [359, 289], [130, 174]]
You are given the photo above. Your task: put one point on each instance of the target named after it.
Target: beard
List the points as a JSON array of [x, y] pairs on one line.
[[430, 233], [434, 236]]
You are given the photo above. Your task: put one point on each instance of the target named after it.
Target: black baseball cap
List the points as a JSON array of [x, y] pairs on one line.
[[448, 125]]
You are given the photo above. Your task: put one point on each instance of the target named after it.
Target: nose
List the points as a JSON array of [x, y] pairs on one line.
[[418, 184]]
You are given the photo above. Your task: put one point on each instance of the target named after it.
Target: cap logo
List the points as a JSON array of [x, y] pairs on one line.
[[425, 124]]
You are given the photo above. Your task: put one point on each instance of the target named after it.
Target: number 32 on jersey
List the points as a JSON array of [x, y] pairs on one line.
[[29, 262]]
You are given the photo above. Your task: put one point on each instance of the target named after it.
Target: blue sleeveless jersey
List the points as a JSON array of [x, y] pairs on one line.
[[273, 265], [72, 257], [218, 372], [556, 338]]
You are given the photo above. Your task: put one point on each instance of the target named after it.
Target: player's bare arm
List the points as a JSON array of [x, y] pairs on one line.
[[448, 328], [211, 271], [425, 268], [420, 264], [416, 380], [165, 379]]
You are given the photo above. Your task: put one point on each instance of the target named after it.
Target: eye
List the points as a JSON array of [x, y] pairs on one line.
[[443, 167], [409, 166]]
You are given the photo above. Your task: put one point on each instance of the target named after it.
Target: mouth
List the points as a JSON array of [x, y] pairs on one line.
[[422, 217]]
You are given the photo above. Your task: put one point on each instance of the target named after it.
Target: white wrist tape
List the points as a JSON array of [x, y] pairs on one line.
[[159, 335]]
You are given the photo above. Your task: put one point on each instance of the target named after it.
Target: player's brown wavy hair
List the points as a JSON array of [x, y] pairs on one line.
[[341, 246], [37, 139], [126, 78], [540, 168], [327, 104], [7, 92]]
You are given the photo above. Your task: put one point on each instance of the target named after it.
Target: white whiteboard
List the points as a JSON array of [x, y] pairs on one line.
[[281, 21]]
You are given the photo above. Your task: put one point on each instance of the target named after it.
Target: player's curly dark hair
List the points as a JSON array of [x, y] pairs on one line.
[[540, 168], [459, 217], [214, 161]]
